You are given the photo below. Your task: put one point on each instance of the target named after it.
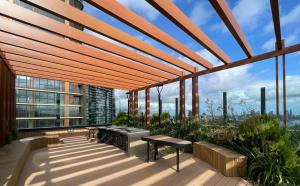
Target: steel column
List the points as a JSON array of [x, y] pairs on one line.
[[225, 107], [136, 103], [131, 103], [195, 97], [182, 100], [262, 100], [284, 90], [147, 100], [277, 87]]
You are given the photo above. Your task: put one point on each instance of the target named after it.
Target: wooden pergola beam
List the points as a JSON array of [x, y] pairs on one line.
[[173, 13], [228, 18], [17, 64], [276, 22], [8, 49], [56, 41], [47, 49], [84, 73], [68, 12], [120, 12], [40, 21], [49, 75], [257, 58]]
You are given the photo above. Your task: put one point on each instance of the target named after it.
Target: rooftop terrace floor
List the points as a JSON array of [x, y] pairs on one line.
[[78, 162]]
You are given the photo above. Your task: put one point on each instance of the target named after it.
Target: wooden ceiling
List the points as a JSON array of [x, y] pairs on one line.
[[38, 46]]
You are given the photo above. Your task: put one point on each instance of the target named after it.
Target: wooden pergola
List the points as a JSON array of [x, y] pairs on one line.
[[38, 46]]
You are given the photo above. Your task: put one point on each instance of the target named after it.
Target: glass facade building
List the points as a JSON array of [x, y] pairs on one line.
[[44, 103]]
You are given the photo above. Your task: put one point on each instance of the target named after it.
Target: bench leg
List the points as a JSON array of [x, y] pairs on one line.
[[155, 151], [148, 147], [177, 157], [89, 135], [93, 133]]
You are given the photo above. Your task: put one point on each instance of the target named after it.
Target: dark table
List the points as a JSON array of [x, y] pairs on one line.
[[165, 140], [91, 129]]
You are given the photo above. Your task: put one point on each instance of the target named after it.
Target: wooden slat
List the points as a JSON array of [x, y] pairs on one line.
[[30, 17], [47, 49], [276, 22], [54, 76], [71, 13], [173, 13], [84, 73], [79, 77], [228, 18], [127, 16], [57, 60], [41, 36]]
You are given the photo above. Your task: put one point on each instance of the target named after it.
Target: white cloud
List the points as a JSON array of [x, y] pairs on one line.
[[200, 13], [141, 7], [291, 18], [249, 12], [269, 44]]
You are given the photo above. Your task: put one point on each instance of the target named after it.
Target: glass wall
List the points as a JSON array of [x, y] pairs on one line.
[[41, 103]]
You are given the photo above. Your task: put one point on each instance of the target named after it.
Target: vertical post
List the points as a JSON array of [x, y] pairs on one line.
[[130, 102], [182, 100], [128, 107], [159, 88], [105, 107], [283, 83], [195, 97], [284, 91], [147, 92], [225, 106], [277, 88], [136, 103], [176, 109], [262, 100], [67, 102]]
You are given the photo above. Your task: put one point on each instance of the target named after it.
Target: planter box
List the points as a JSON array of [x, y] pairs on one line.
[[228, 162]]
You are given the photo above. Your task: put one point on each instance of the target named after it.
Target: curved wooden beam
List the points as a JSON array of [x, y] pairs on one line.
[[173, 13], [8, 49], [54, 76], [56, 41], [276, 23], [228, 18], [130, 18], [29, 17], [80, 72], [47, 49], [94, 24]]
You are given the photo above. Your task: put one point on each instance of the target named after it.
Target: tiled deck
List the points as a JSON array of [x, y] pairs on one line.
[[78, 162]]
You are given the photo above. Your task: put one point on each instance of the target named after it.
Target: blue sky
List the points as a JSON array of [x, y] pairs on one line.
[[255, 19]]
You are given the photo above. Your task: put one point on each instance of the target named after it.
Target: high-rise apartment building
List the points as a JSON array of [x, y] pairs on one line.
[[43, 103]]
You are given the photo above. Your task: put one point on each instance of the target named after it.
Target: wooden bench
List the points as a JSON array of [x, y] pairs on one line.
[[228, 162], [14, 156], [168, 141]]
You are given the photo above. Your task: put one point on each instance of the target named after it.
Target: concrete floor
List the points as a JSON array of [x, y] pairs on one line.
[[78, 162]]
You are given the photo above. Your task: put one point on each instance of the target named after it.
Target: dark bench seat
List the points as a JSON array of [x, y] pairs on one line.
[[168, 141]]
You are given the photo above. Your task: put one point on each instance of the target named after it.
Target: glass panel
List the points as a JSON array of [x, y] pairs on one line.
[[43, 84]]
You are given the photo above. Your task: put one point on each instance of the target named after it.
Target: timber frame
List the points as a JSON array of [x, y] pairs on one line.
[[38, 46]]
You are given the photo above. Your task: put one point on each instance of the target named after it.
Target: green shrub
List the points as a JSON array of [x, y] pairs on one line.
[[272, 155], [258, 131], [268, 169], [120, 119]]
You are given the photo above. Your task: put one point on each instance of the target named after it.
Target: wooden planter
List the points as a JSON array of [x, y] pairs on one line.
[[228, 162]]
